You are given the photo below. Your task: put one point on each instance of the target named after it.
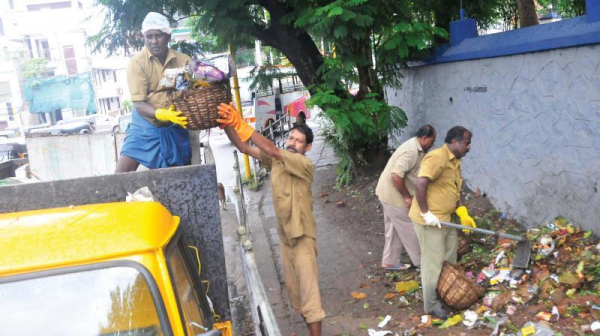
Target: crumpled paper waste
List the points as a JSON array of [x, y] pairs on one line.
[[141, 195]]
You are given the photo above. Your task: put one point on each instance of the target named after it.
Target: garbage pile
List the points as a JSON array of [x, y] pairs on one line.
[[560, 292]]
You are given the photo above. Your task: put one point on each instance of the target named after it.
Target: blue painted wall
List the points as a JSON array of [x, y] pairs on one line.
[[580, 31]]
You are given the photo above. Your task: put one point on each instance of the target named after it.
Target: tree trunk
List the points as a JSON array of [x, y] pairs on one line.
[[527, 14], [295, 44]]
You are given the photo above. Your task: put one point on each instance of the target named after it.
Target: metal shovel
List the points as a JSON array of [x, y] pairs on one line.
[[523, 253]]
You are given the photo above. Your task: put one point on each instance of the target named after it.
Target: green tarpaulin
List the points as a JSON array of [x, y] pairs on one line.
[[47, 95]]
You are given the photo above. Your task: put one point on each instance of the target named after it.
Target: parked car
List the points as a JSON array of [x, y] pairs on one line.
[[75, 127], [14, 148], [105, 123], [9, 132], [27, 129], [99, 123]]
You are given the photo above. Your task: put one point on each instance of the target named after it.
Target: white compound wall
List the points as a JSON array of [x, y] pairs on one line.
[[536, 124]]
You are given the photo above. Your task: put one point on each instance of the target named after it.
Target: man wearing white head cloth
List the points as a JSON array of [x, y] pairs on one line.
[[156, 137]]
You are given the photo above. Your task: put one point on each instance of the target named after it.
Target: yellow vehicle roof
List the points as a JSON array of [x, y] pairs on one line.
[[45, 239]]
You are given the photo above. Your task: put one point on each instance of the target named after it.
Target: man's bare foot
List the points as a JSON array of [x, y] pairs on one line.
[[293, 333]]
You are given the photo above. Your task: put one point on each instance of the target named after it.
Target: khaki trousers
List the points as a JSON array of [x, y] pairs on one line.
[[437, 245], [399, 236], [302, 278]]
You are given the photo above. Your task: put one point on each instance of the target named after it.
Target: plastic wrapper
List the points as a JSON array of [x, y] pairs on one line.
[[141, 195], [170, 76], [469, 318], [537, 329], [454, 320], [210, 70], [196, 73], [206, 72]]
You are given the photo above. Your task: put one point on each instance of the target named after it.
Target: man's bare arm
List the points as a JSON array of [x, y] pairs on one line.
[[241, 145], [421, 193], [145, 109], [401, 187], [266, 146], [259, 141]]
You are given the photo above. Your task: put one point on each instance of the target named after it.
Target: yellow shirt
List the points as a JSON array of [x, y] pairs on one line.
[[144, 72], [443, 170], [292, 195], [405, 163]]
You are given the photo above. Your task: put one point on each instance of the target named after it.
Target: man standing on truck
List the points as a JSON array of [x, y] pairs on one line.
[[292, 176], [156, 137], [437, 196]]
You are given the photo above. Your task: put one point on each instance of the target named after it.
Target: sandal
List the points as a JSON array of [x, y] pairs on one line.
[[398, 267]]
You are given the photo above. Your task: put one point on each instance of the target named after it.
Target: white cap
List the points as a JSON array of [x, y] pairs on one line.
[[156, 21]]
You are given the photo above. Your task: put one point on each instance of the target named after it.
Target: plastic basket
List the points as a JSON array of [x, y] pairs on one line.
[[455, 289], [200, 105]]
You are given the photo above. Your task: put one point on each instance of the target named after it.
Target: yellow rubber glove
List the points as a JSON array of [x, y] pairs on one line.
[[229, 116], [171, 115], [465, 219]]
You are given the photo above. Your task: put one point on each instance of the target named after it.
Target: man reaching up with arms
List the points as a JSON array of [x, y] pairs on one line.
[[292, 175]]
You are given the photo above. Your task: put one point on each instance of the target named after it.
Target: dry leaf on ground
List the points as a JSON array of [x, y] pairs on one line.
[[358, 296]]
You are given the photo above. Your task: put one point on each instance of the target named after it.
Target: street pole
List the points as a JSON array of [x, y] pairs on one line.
[[238, 103]]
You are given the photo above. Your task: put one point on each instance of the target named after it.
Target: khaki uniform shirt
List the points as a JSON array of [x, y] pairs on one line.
[[405, 163], [292, 195], [144, 72], [443, 170]]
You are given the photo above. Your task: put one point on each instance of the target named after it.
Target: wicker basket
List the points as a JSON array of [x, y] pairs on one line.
[[455, 289], [464, 245], [200, 105]]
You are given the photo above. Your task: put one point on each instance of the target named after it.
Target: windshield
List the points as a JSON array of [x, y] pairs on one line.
[[108, 301]]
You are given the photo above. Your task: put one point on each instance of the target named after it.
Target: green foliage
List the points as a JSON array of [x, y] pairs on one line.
[[127, 105], [191, 49], [215, 24], [34, 68], [487, 12], [566, 8], [362, 31], [244, 58], [371, 40], [253, 183], [357, 129], [262, 77]]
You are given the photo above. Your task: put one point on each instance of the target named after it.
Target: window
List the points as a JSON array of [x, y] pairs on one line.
[[43, 49], [11, 4], [70, 60], [115, 75], [28, 42], [189, 303], [56, 5], [1, 28], [9, 108], [105, 301]]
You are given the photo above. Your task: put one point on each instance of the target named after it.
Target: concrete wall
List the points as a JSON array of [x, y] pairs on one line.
[[536, 124], [53, 158]]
